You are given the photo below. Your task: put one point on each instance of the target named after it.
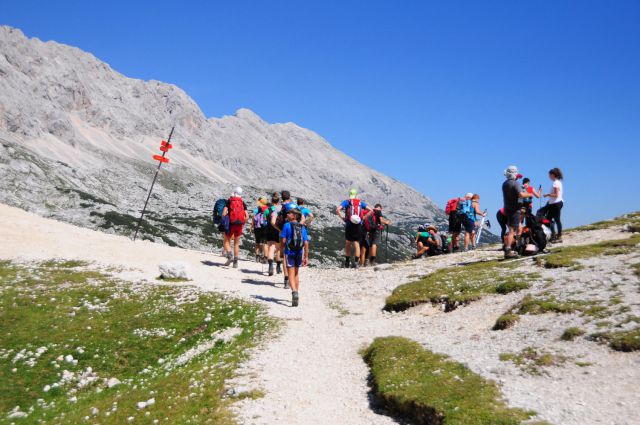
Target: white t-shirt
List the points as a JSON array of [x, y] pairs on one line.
[[558, 185]]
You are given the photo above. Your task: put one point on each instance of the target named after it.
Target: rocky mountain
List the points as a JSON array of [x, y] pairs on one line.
[[78, 139]]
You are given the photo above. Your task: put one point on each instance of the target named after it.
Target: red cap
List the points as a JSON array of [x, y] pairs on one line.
[[519, 176]]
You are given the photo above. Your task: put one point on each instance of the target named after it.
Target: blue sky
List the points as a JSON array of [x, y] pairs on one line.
[[440, 95]]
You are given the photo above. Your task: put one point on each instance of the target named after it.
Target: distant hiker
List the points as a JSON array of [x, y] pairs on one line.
[[354, 209], [372, 225], [294, 243], [501, 218], [306, 212], [279, 222], [555, 204], [259, 229], [467, 219], [473, 216], [529, 194], [272, 234], [236, 211], [455, 222], [428, 241], [511, 196]]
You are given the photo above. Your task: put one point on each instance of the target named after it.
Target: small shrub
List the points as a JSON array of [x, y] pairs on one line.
[[505, 321], [572, 333], [620, 340]]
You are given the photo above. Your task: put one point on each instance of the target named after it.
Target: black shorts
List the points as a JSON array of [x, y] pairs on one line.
[[272, 235], [353, 232], [455, 224], [260, 234], [373, 236], [513, 219], [423, 241]]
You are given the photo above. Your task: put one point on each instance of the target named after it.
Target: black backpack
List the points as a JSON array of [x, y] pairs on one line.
[[295, 243]]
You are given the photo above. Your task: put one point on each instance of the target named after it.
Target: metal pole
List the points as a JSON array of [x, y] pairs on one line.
[[135, 235], [386, 245]]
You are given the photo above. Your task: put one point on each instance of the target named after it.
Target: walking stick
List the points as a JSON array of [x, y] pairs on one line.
[[481, 226], [164, 147], [540, 197], [386, 245]]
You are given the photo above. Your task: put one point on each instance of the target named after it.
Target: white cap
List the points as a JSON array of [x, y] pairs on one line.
[[511, 172], [238, 191], [469, 195]]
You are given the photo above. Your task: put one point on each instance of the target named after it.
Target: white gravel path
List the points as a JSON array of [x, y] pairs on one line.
[[311, 373]]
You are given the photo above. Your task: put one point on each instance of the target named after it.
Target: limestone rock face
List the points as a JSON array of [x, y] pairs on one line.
[[77, 139]]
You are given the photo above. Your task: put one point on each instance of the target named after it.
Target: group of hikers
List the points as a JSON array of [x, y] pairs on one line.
[[280, 226]]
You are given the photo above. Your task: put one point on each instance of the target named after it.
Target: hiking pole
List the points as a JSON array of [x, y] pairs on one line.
[[540, 197], [386, 245], [164, 147], [481, 227]]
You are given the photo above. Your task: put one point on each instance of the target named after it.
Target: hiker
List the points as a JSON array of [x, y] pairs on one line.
[[467, 217], [372, 231], [272, 235], [236, 211], [259, 229], [294, 243], [555, 204], [455, 222], [278, 222], [501, 218], [306, 212], [529, 192], [473, 217], [354, 209], [511, 195], [428, 241]]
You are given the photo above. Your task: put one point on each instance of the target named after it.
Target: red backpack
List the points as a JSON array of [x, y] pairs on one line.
[[371, 223], [236, 210], [354, 208], [452, 205]]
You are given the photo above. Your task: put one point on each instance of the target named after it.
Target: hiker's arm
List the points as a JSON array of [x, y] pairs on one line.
[[538, 193], [303, 220], [225, 211], [385, 221], [310, 219], [339, 213], [246, 215], [553, 194], [305, 258], [368, 214], [283, 241]]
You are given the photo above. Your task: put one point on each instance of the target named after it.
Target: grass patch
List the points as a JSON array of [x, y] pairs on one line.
[[505, 321], [572, 333], [459, 285], [426, 387], [549, 304], [620, 340], [533, 361], [65, 331], [568, 256], [631, 219], [337, 306], [584, 364]]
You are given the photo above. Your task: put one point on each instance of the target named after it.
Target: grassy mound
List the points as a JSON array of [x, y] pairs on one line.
[[65, 332], [428, 388], [568, 256], [532, 360], [459, 285], [572, 333], [628, 340], [632, 220], [505, 321]]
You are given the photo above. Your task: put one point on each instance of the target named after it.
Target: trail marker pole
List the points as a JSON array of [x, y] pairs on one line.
[[164, 147]]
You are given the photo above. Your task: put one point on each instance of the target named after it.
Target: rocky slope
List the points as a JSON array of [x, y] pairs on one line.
[[77, 139]]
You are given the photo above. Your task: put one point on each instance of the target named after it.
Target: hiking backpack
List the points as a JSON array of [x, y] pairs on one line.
[[217, 210], [259, 220], [354, 208], [236, 210], [452, 205], [281, 219], [295, 243], [444, 243], [464, 207], [371, 223]]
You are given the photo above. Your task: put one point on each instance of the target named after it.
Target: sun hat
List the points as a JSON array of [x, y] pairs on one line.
[[431, 228], [353, 193], [262, 201]]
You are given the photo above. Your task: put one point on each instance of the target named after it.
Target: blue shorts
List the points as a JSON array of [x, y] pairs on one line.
[[294, 259], [469, 225]]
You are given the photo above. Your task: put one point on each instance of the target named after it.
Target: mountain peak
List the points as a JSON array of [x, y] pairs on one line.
[[247, 115]]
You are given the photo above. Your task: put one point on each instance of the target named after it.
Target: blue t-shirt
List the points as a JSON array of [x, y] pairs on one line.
[[345, 205], [289, 205], [305, 211], [287, 234]]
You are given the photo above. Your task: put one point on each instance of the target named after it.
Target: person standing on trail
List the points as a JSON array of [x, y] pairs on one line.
[[455, 221], [236, 210], [307, 215], [511, 196], [278, 223], [475, 212], [555, 204], [501, 218], [294, 242], [272, 234], [372, 229], [354, 210], [260, 230]]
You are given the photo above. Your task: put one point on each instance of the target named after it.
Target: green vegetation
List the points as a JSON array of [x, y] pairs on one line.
[[628, 340], [428, 388], [459, 285], [631, 219], [568, 256], [548, 304], [84, 196], [533, 361], [127, 224], [505, 321], [65, 331], [572, 333]]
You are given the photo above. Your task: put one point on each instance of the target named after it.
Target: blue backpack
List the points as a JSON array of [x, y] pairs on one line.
[[465, 208], [217, 210]]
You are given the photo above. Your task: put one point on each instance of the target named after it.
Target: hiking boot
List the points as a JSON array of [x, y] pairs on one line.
[[558, 239], [278, 268], [270, 269], [229, 260], [372, 263], [356, 265], [235, 263], [286, 284], [510, 254], [295, 298]]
